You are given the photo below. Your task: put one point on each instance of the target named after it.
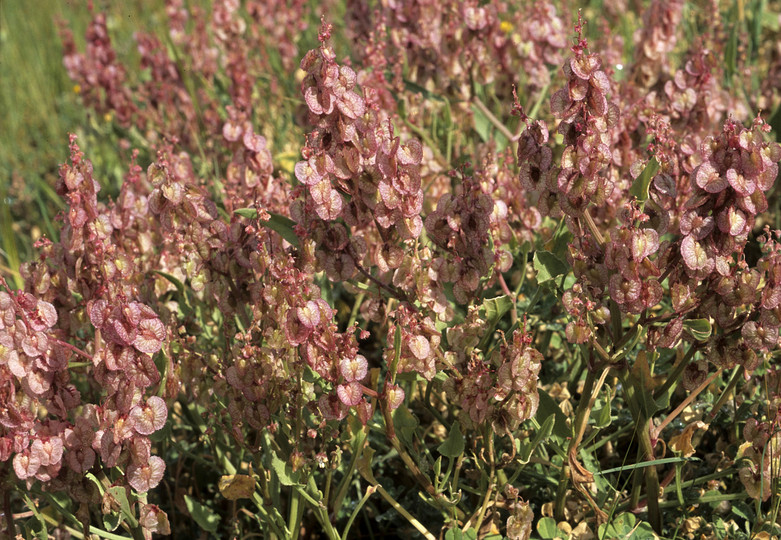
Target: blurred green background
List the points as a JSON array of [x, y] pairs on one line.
[[40, 106]]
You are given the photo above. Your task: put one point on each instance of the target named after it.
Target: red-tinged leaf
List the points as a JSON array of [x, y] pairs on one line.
[[597, 102], [26, 465], [309, 314], [354, 369], [767, 177], [320, 191], [347, 77], [331, 407], [560, 102], [395, 395], [365, 411], [413, 226], [231, 131], [312, 101], [153, 519], [410, 153], [49, 451], [18, 365], [644, 244], [613, 115], [600, 81], [150, 336], [144, 477], [707, 177], [44, 316], [584, 65], [732, 221], [694, 254], [150, 417], [331, 206], [754, 204], [420, 347], [390, 197], [351, 105], [37, 382], [744, 186], [350, 394], [254, 142], [578, 89], [35, 344], [306, 173]]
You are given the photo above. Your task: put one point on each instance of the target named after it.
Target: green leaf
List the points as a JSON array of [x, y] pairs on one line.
[[493, 309], [457, 534], [482, 124], [250, 213], [284, 471], [416, 88], [485, 128], [526, 449], [405, 423], [203, 516], [454, 444], [548, 266], [548, 529], [644, 464], [549, 407], [641, 184], [280, 224], [620, 527], [112, 521], [42, 532], [602, 416], [700, 329], [120, 495], [176, 283]]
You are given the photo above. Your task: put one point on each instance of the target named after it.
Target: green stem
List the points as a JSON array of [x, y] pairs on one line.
[[737, 373], [651, 477], [540, 99], [422, 479], [341, 491], [491, 483], [401, 510], [294, 519], [369, 491], [581, 418], [356, 306], [676, 373]]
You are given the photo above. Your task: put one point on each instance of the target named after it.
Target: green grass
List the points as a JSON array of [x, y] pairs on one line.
[[40, 107]]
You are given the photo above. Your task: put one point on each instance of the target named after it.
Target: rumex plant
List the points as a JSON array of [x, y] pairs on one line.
[[473, 259]]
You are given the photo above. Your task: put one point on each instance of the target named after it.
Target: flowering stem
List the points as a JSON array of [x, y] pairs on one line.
[[493, 119], [685, 403], [513, 297], [593, 228], [73, 348], [392, 291]]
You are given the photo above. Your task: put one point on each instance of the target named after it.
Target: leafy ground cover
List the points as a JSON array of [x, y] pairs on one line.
[[444, 269]]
